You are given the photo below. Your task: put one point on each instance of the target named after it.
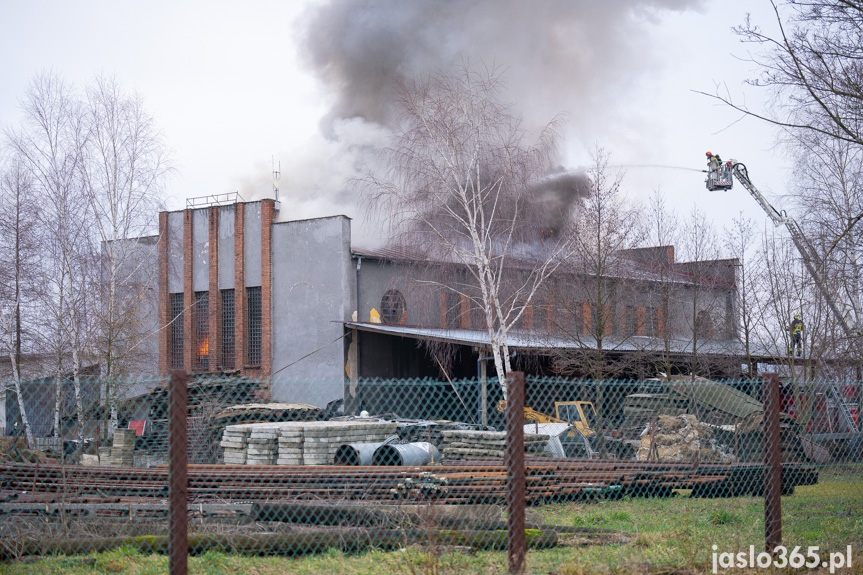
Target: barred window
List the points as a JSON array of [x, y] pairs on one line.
[[253, 299], [651, 325], [228, 321], [202, 330], [177, 331], [393, 307]]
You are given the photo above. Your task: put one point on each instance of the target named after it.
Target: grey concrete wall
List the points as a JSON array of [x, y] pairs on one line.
[[137, 294], [143, 276], [376, 277], [175, 252], [252, 238], [424, 302], [200, 250], [227, 214], [312, 292]]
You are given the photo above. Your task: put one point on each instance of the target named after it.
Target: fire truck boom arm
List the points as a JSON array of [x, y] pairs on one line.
[[811, 259]]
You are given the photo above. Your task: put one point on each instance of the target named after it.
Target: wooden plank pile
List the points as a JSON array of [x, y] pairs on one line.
[[466, 444]]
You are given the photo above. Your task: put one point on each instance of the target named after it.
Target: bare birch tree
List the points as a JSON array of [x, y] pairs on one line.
[[828, 190], [788, 289], [811, 67], [739, 244], [48, 143], [459, 187], [96, 164], [700, 245], [663, 231], [124, 168], [606, 225], [19, 248]]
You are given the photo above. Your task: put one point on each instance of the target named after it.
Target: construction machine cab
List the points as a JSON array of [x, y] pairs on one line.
[[579, 413], [719, 174]]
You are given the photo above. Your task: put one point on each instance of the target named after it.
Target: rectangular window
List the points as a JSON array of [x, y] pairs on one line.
[[228, 321], [176, 331], [253, 301], [451, 312], [650, 322], [603, 319], [630, 326], [550, 317], [202, 330], [586, 319]]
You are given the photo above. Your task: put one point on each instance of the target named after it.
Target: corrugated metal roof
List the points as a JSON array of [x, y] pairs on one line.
[[540, 341]]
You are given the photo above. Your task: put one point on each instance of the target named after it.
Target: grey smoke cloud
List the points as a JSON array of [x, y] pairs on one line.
[[558, 191], [576, 56], [580, 58]]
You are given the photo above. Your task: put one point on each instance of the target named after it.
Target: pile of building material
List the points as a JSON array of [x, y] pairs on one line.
[[234, 442], [681, 439], [290, 447], [123, 448], [298, 442], [321, 439], [262, 446], [466, 444], [465, 482]]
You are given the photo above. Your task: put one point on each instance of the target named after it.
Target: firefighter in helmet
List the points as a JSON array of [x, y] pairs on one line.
[[713, 162], [796, 335]]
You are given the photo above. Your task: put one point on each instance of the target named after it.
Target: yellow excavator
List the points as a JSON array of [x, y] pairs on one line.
[[581, 414]]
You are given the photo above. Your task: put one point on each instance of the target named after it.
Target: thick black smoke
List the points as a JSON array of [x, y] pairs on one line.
[[558, 192]]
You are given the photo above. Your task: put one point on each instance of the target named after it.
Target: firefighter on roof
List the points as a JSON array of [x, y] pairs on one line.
[[796, 335]]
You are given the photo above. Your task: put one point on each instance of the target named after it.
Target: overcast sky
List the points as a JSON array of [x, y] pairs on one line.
[[233, 84]]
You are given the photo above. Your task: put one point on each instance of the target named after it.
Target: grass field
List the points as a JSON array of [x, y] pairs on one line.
[[652, 536]]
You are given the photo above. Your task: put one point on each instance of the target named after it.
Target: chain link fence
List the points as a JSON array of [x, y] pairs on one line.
[[534, 474]]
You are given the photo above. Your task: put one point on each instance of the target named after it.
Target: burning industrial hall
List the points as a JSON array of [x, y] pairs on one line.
[[529, 361], [308, 394], [296, 392]]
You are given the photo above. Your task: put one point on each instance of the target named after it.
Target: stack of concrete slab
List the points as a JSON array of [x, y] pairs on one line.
[[234, 442], [290, 446], [105, 455], [298, 442], [321, 439], [263, 445], [123, 448], [468, 444]]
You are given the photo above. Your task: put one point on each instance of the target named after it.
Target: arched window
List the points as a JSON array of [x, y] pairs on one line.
[[393, 307]]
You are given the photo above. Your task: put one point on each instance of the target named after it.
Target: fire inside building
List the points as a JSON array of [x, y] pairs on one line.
[[241, 292]]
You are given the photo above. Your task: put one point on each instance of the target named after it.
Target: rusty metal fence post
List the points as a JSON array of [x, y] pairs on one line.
[[772, 465], [515, 475], [178, 542]]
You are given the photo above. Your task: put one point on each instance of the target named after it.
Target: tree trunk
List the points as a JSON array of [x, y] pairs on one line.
[[22, 410]]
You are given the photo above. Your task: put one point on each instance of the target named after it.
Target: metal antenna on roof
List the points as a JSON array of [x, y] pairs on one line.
[[277, 173]]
